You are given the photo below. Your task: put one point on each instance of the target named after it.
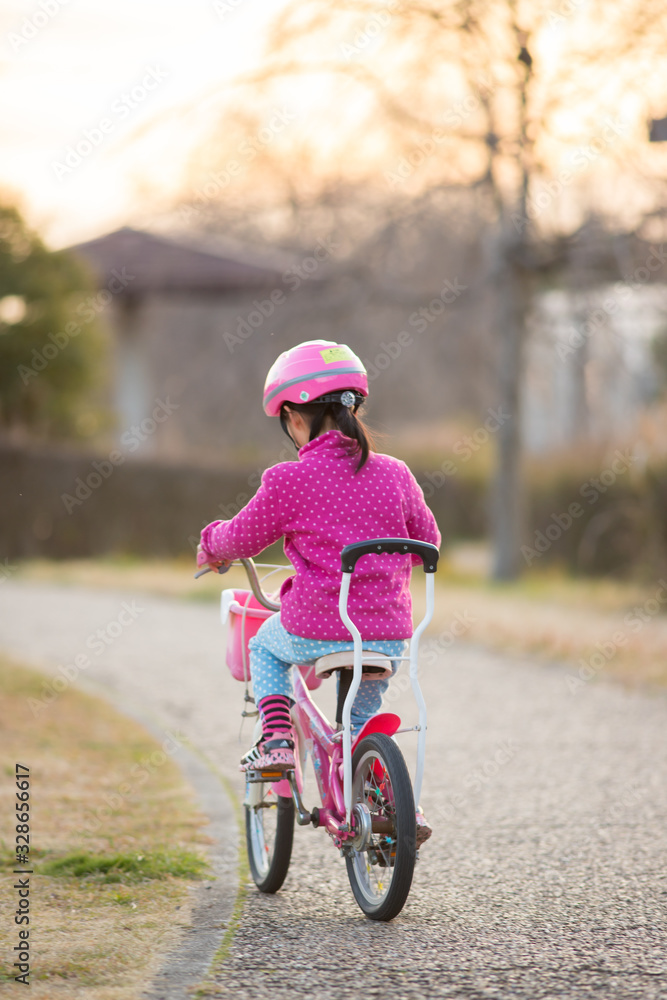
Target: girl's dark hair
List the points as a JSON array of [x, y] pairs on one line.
[[345, 419]]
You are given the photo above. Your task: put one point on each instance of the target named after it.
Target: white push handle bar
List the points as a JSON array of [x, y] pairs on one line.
[[349, 556]]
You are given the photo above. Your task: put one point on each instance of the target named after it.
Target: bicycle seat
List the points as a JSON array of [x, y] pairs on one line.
[[376, 666]]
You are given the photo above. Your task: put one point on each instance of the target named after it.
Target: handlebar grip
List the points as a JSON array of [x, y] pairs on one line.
[[209, 569], [405, 546]]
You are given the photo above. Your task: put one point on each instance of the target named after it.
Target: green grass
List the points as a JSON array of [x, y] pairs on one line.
[[126, 868]]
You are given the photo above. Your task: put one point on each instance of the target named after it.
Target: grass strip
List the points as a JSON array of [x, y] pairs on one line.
[[116, 844], [126, 868]]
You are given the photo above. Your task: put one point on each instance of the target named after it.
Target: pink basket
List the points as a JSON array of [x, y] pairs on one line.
[[243, 614]]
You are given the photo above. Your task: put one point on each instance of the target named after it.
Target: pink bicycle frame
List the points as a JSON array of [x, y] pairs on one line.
[[332, 750], [320, 739]]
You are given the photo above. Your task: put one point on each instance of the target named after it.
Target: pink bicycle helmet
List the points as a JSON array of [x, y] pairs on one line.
[[312, 370]]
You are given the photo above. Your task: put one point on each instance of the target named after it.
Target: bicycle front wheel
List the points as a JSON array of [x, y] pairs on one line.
[[381, 875], [269, 831]]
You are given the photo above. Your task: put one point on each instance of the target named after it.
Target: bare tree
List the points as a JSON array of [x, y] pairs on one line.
[[492, 94]]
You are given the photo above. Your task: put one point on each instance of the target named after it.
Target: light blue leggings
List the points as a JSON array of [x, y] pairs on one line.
[[273, 650]]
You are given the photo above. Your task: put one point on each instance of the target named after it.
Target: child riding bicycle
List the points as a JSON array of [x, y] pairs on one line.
[[340, 491]]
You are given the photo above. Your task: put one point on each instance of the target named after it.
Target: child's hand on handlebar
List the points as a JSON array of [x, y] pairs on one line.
[[216, 565]]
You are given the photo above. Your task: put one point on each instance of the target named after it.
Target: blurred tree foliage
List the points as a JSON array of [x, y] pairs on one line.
[[51, 348]]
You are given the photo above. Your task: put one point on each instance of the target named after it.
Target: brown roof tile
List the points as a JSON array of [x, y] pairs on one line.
[[164, 265]]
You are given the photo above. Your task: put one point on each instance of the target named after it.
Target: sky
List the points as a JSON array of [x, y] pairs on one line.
[[92, 74], [104, 102]]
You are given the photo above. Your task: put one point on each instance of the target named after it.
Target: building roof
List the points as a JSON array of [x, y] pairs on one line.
[[158, 264]]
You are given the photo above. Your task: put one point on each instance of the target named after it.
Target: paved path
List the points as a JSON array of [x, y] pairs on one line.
[[546, 875]]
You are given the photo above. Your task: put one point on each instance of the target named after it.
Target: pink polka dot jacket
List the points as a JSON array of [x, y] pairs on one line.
[[320, 505]]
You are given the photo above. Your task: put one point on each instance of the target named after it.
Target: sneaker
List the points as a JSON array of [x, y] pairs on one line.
[[385, 853], [275, 753], [424, 830]]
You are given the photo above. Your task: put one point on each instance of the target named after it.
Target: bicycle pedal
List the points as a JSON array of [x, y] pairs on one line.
[[264, 775]]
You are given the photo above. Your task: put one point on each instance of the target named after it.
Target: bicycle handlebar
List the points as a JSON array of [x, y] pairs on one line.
[[256, 586], [427, 553], [209, 569], [253, 579]]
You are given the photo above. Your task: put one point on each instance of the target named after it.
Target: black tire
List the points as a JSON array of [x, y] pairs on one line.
[[269, 831], [381, 875]]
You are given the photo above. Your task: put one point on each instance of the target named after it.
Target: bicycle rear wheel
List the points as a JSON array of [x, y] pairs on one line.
[[381, 875], [269, 829]]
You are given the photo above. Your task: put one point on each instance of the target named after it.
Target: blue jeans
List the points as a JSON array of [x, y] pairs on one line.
[[273, 651]]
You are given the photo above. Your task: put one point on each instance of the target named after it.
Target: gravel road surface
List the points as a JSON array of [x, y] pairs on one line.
[[546, 876]]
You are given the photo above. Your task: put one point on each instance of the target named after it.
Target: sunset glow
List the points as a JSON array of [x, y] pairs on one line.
[[112, 111]]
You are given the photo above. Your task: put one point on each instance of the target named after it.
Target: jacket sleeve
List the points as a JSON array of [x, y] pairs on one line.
[[421, 523], [248, 533]]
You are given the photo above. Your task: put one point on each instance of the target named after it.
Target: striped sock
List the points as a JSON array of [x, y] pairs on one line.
[[274, 711]]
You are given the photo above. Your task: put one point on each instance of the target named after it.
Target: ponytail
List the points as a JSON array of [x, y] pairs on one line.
[[352, 426], [345, 419]]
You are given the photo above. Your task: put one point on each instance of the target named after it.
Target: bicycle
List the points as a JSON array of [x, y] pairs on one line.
[[367, 797]]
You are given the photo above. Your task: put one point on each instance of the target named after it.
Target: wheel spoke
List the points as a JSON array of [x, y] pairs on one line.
[[375, 865], [381, 874], [263, 820], [269, 832]]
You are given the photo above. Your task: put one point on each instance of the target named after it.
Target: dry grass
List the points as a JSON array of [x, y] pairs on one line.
[[162, 577], [545, 614], [168, 578], [100, 786], [615, 629]]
